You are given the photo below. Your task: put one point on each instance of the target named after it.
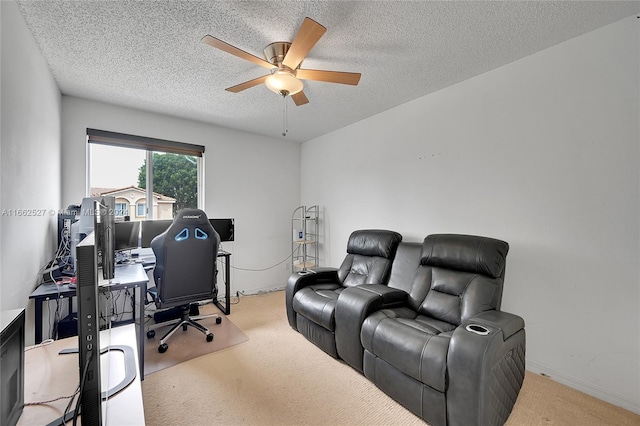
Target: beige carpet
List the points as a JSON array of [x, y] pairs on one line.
[[186, 345], [279, 378]]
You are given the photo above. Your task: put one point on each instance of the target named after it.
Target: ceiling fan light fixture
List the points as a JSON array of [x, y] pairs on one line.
[[283, 80]]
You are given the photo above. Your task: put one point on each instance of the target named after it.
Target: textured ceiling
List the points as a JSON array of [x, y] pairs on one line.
[[148, 54]]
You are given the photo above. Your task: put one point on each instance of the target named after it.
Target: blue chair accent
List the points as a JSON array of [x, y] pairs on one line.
[[182, 235], [200, 234]]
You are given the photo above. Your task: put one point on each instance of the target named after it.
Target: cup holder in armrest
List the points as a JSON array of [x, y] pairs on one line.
[[477, 329]]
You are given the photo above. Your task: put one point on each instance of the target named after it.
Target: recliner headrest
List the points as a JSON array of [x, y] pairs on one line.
[[469, 253], [374, 242]]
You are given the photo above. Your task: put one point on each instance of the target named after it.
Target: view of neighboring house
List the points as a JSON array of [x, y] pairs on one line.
[[132, 201]]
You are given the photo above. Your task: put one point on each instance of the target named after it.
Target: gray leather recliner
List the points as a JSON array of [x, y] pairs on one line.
[[435, 339], [311, 295]]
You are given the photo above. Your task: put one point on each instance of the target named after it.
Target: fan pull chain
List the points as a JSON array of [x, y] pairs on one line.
[[285, 123]]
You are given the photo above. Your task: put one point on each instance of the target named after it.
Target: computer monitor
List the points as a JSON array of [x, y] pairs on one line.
[[149, 229], [104, 227], [96, 214], [224, 227], [87, 271], [127, 235]]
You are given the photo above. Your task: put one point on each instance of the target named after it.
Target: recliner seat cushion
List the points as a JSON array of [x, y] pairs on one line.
[[317, 303], [415, 344]]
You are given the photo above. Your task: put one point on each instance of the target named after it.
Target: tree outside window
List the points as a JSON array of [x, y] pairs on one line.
[[174, 175]]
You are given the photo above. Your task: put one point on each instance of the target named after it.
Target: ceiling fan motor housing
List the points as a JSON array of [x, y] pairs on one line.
[[275, 52]]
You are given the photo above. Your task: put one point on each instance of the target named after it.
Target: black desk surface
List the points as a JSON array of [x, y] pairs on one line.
[[146, 257], [124, 275], [46, 290]]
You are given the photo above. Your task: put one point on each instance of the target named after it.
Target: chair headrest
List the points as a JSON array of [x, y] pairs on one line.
[[469, 253], [374, 242], [191, 217]]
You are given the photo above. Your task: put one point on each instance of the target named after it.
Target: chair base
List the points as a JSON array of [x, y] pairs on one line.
[[184, 322]]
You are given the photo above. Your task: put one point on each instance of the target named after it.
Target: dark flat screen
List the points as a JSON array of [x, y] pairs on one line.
[[151, 228], [224, 227], [126, 235]]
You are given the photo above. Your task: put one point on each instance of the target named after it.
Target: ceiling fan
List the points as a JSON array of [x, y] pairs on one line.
[[284, 59]]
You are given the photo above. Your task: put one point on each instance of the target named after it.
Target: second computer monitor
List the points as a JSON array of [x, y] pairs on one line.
[[224, 227], [127, 235], [151, 228]]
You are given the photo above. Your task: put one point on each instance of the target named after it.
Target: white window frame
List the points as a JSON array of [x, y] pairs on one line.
[[151, 145]]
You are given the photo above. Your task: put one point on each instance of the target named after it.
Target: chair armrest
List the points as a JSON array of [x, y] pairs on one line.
[[302, 279], [504, 322], [353, 306], [486, 363]]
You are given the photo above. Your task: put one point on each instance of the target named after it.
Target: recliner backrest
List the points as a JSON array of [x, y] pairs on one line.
[[185, 253], [451, 277], [405, 267], [369, 256], [464, 273]]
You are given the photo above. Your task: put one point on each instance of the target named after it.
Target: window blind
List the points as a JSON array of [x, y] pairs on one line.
[[140, 142]]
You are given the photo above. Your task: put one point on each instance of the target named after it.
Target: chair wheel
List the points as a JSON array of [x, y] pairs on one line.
[[151, 334], [163, 348], [218, 320], [209, 337]]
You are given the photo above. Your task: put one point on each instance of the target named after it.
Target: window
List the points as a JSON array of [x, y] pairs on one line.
[[141, 209], [158, 177], [122, 209]]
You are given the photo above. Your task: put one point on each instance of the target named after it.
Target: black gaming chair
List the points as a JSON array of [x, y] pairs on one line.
[[185, 270]]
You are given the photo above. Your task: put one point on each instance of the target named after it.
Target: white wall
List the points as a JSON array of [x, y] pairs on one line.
[[251, 178], [543, 153], [30, 114]]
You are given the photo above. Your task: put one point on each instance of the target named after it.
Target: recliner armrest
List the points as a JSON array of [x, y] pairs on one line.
[[508, 324], [485, 363], [390, 297], [353, 306], [302, 279]]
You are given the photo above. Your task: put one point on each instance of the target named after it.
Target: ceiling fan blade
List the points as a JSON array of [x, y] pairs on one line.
[[247, 84], [219, 44], [308, 35], [300, 98], [351, 78]]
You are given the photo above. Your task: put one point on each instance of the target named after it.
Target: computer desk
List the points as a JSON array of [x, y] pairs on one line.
[[49, 375], [126, 276]]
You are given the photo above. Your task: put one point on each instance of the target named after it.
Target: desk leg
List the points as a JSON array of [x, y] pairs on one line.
[[38, 321], [143, 294], [227, 286]]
